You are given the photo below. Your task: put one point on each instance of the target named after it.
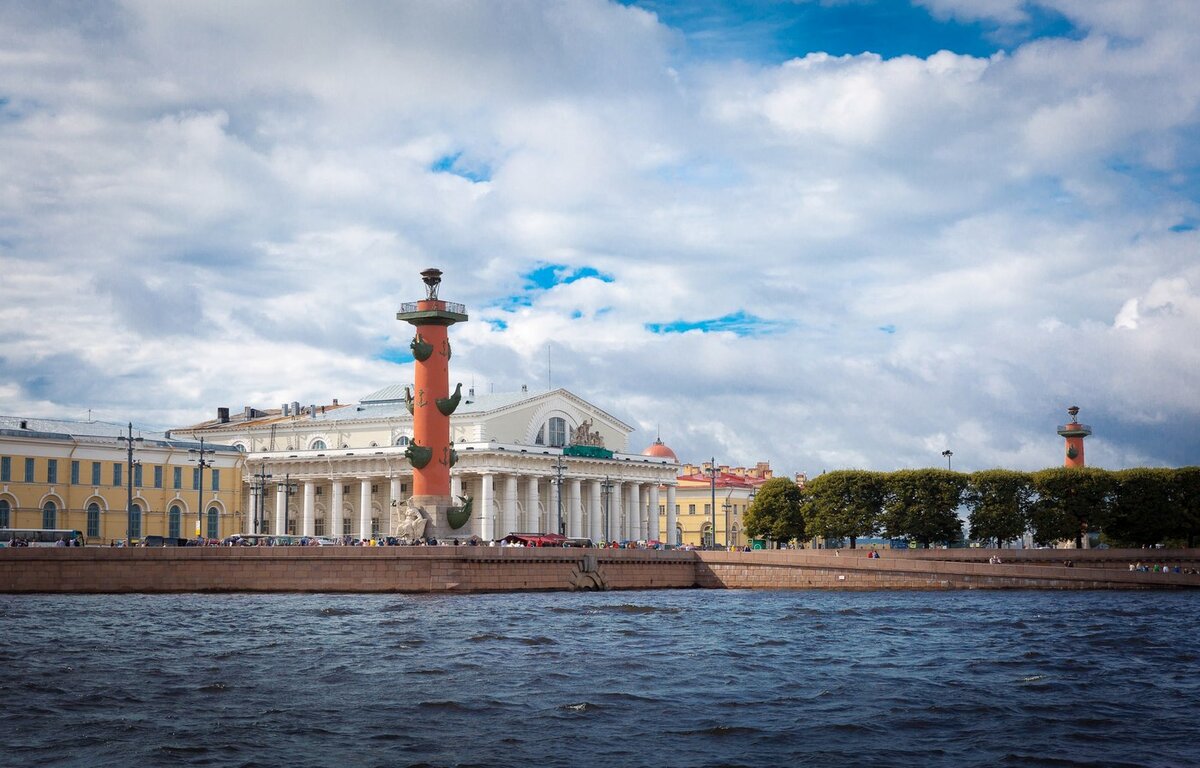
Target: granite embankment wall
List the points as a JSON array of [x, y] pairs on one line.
[[488, 569]]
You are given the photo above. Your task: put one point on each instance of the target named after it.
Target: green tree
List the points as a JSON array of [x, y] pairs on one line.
[[844, 504], [1143, 511], [999, 502], [922, 504], [1071, 501], [776, 512], [1185, 495]]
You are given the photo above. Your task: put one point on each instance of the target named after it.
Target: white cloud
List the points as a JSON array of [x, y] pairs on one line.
[[208, 205]]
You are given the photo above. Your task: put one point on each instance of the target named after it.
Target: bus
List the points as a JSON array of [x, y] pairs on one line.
[[40, 537]]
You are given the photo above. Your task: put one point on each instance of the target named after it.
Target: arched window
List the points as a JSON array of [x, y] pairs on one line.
[[706, 535], [402, 440], [319, 526], [93, 520], [50, 515], [558, 431], [347, 525], [5, 513], [213, 531], [678, 534], [318, 445], [135, 522], [174, 521]]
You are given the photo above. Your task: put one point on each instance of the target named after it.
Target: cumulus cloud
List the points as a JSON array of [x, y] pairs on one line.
[[825, 261]]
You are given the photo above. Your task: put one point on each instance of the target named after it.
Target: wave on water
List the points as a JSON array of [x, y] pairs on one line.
[[633, 609]]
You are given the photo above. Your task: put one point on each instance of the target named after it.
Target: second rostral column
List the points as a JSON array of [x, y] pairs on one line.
[[431, 404]]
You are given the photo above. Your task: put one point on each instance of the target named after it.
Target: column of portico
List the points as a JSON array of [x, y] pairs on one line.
[[254, 493], [533, 500], [280, 506], [629, 503], [509, 516], [364, 509], [456, 488], [575, 504], [335, 508], [615, 505], [308, 525], [595, 510], [487, 522], [671, 520], [655, 520], [643, 522]]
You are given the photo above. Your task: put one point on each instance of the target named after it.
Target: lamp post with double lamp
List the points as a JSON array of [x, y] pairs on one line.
[[201, 455], [948, 454], [258, 484], [712, 473], [727, 508], [289, 488], [130, 443], [559, 466]]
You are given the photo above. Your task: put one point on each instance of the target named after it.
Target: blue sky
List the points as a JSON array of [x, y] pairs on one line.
[[769, 32], [754, 227]]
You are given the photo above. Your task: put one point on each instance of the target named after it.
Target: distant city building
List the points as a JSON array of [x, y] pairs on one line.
[[735, 488], [74, 475], [346, 465]]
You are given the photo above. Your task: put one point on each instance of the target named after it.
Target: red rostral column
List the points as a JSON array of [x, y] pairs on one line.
[[431, 403], [1074, 433]]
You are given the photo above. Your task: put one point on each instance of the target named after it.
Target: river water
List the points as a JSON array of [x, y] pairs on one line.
[[646, 678]]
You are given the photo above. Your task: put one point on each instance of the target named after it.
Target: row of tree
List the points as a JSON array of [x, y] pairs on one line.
[[1130, 507]]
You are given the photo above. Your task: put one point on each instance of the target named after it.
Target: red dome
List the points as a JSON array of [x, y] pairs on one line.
[[661, 451]]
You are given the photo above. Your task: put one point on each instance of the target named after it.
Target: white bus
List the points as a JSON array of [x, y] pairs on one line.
[[40, 537]]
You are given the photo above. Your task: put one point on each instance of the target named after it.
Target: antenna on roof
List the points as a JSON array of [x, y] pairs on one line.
[[549, 380]]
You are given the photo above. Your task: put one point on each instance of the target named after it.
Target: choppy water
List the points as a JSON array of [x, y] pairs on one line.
[[661, 678]]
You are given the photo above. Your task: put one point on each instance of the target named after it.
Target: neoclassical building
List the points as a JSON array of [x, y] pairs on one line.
[[541, 462], [81, 475]]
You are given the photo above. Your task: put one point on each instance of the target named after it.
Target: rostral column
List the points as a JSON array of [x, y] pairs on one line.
[[431, 405]]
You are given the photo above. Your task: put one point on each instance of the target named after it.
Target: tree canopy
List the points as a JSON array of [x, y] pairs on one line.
[[999, 502], [845, 504], [922, 504], [776, 512], [1071, 501]]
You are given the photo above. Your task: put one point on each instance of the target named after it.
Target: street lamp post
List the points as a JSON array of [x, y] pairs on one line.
[[202, 461], [712, 472], [948, 454], [130, 442], [289, 488], [558, 469], [727, 507], [259, 486]]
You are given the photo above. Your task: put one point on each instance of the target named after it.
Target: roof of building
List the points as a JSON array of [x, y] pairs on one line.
[[385, 403], [661, 450], [723, 480], [92, 431]]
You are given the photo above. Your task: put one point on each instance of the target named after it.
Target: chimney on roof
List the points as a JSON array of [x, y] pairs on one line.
[[524, 389], [312, 410], [223, 415], [295, 407], [335, 402], [284, 409], [471, 391], [247, 412], [24, 424]]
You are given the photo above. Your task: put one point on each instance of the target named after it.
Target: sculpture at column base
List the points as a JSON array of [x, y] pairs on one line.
[[443, 519], [412, 527]]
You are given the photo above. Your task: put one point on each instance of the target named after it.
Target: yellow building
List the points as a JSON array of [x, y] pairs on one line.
[[691, 511], [78, 475]]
